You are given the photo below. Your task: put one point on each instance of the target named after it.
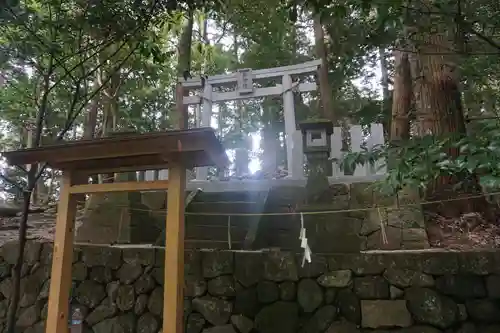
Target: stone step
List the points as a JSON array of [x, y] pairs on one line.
[[226, 196], [219, 233], [226, 207]]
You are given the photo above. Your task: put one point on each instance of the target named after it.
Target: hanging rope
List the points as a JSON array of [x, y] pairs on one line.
[[303, 242], [382, 228]]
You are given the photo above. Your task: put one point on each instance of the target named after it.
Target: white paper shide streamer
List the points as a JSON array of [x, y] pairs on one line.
[[303, 242]]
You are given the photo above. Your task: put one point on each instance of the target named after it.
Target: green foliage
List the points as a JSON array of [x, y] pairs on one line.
[[420, 161]]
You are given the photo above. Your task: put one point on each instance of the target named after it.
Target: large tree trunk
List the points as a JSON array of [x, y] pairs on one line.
[[401, 97], [439, 107], [324, 85], [89, 129], [111, 113], [184, 65], [386, 94]]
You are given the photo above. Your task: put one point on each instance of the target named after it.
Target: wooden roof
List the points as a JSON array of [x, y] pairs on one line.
[[130, 152]]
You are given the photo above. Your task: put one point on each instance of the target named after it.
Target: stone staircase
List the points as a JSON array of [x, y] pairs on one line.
[[252, 219], [210, 225]]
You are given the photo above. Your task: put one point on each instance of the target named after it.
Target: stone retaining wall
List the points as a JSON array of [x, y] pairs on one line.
[[120, 291]]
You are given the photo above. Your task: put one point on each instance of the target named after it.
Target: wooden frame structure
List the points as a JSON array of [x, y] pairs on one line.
[[177, 150]]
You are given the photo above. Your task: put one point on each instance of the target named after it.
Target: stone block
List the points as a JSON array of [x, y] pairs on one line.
[[406, 217], [267, 292], [372, 221], [242, 323], [361, 195], [194, 286], [480, 263], [493, 286], [248, 267], [360, 264], [144, 256], [392, 241], [315, 268], [117, 218], [384, 314], [440, 264], [217, 263], [429, 307], [349, 306], [288, 291], [280, 317], [414, 238], [371, 287], [321, 229], [336, 279], [102, 256], [461, 286], [483, 310], [215, 311], [340, 202], [280, 266], [309, 295], [404, 278], [320, 320]]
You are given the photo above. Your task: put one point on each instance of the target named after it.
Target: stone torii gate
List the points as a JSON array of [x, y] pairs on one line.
[[242, 83]]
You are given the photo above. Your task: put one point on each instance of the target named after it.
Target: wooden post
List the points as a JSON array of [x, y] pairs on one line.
[[62, 259], [173, 300]]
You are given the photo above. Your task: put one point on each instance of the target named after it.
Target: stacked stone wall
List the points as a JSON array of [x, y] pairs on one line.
[[120, 290]]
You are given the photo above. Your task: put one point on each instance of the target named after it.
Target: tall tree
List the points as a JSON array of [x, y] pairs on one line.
[[324, 85]]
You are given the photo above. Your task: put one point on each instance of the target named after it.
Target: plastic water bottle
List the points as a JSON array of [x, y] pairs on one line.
[[76, 321]]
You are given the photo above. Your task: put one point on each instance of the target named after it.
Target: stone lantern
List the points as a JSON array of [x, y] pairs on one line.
[[317, 143], [317, 146]]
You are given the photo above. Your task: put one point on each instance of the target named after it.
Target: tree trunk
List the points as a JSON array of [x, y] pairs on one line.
[[184, 65], [386, 94], [401, 97], [89, 130], [111, 112], [439, 107], [324, 85]]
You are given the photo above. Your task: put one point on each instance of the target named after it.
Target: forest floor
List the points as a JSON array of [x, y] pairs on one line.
[[470, 231], [40, 225]]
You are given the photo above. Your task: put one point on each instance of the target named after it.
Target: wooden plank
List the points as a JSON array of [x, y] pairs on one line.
[[173, 308], [156, 185], [158, 162], [164, 144], [257, 93], [224, 79], [60, 282]]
